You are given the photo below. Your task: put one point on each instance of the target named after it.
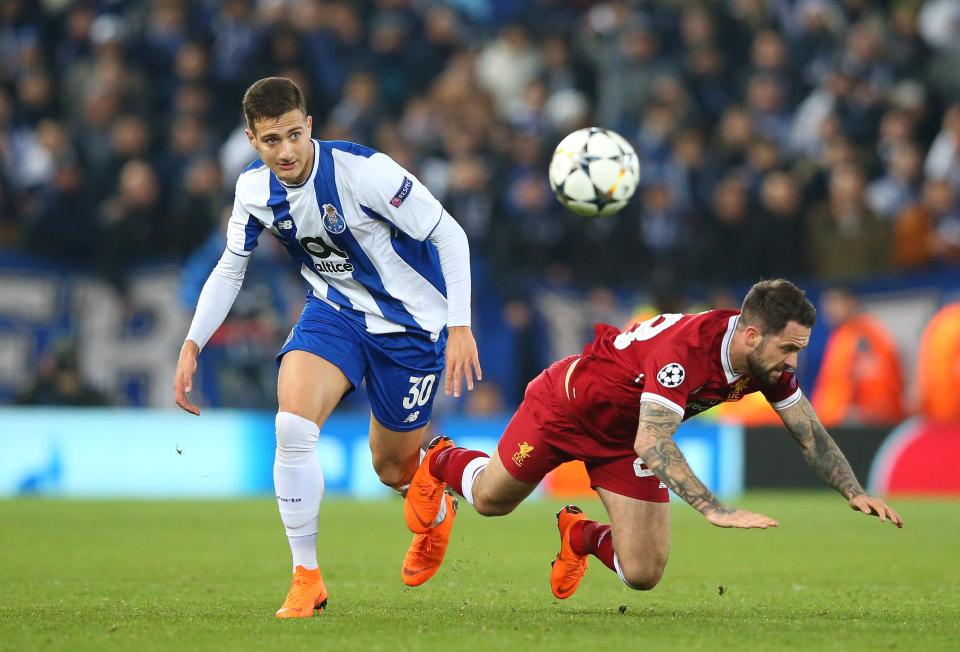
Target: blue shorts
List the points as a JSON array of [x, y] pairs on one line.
[[402, 370]]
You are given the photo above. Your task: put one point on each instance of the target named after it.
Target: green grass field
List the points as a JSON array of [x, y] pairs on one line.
[[208, 575]]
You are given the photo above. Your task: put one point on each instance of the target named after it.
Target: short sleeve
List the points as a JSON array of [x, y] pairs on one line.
[[669, 378], [387, 191], [785, 393], [243, 230]]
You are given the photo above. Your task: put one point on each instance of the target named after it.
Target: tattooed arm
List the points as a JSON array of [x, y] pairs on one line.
[[819, 449], [655, 446], [824, 456]]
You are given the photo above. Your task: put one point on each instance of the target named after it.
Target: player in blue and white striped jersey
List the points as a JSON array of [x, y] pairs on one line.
[[389, 303]]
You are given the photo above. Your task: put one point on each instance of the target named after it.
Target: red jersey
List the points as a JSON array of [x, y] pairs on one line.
[[681, 362]]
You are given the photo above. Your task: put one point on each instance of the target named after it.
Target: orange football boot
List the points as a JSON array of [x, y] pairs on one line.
[[568, 568], [422, 502], [307, 593], [427, 550]]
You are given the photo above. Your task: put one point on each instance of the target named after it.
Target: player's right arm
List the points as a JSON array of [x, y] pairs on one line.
[[217, 297], [655, 446]]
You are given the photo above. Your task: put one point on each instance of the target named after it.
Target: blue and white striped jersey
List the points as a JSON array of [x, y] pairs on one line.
[[357, 228]]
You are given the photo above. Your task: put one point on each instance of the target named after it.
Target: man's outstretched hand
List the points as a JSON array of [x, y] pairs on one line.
[[875, 507], [739, 518]]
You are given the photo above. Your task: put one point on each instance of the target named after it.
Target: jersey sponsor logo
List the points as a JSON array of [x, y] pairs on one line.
[[320, 248], [701, 405], [671, 375], [402, 193], [523, 452], [332, 220]]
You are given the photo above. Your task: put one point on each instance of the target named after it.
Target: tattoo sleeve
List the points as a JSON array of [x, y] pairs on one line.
[[819, 450], [655, 446]]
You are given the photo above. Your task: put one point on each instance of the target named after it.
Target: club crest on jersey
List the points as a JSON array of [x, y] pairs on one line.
[[332, 220], [737, 392], [671, 375], [524, 449], [402, 194]]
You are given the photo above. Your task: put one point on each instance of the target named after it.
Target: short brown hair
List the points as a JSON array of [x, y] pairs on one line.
[[769, 305], [271, 97]]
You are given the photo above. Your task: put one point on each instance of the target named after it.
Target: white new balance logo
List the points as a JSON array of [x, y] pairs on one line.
[[285, 224], [412, 417]]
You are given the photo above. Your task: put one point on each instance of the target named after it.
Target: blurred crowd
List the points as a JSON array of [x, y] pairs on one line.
[[812, 139]]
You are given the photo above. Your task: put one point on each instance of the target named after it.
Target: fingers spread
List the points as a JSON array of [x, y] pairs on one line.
[[457, 380]]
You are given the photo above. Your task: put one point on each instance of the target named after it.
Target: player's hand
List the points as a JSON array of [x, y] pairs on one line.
[[463, 361], [875, 507], [739, 518], [183, 379]]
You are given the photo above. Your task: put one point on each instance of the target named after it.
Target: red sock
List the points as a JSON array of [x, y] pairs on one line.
[[448, 465], [593, 538]]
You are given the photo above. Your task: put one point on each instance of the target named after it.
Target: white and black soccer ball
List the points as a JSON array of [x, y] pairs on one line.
[[594, 172]]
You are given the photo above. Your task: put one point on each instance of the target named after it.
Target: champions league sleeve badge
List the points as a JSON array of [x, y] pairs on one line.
[[671, 375], [332, 220]]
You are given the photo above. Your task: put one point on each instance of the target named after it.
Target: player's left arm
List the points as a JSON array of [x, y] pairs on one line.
[[824, 456], [453, 249], [396, 195]]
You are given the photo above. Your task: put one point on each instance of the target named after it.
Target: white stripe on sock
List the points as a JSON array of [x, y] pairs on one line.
[[616, 564], [470, 473]]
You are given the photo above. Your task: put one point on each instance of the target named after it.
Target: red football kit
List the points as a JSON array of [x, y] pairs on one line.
[[678, 361]]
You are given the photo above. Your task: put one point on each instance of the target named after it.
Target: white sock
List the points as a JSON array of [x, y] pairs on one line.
[[304, 551], [470, 473], [298, 480]]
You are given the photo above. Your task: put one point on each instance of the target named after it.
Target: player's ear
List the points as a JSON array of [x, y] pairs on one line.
[[251, 137], [310, 123]]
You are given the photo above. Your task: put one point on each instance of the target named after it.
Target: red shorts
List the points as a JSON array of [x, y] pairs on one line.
[[542, 435]]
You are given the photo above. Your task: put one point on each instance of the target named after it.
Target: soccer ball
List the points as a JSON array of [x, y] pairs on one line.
[[594, 172]]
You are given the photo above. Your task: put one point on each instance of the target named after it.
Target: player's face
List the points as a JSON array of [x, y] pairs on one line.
[[775, 353], [284, 145]]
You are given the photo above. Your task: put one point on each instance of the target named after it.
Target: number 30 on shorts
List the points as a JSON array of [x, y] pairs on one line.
[[420, 391]]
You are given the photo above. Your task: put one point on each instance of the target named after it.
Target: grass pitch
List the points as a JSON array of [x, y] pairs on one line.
[[209, 575]]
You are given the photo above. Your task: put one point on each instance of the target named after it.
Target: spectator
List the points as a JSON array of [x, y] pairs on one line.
[[860, 379], [900, 186], [938, 368], [845, 238], [59, 381]]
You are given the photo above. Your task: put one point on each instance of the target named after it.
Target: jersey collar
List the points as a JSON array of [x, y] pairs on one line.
[[725, 350]]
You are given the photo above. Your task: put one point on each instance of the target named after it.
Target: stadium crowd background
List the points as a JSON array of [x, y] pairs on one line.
[[810, 139]]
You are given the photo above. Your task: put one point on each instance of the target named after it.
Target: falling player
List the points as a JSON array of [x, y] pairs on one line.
[[390, 296], [616, 408]]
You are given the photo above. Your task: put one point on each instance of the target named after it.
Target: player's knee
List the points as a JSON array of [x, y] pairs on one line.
[[488, 506], [296, 434], [640, 576], [392, 473]]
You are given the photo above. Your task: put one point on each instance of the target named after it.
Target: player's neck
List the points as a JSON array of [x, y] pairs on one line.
[[737, 354]]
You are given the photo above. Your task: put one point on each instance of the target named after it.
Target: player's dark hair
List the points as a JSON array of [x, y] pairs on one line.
[[769, 305], [271, 97]]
